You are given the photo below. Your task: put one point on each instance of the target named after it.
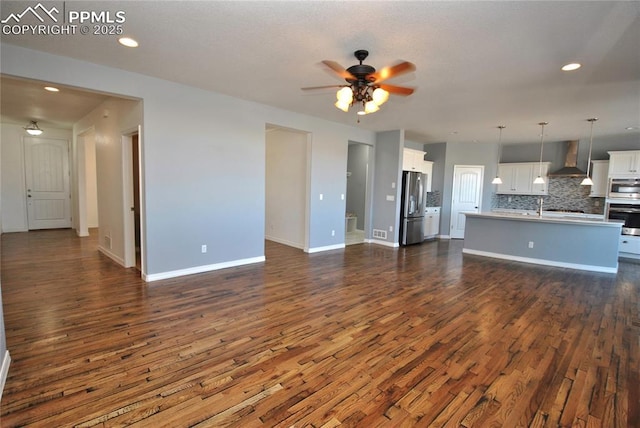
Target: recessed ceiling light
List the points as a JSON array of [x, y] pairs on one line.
[[571, 67], [631, 128], [128, 42], [51, 89]]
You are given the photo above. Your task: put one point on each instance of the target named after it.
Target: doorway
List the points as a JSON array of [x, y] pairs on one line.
[[287, 180], [466, 196], [358, 169], [47, 180]]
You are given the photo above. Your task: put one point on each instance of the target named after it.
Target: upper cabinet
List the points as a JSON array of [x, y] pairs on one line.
[[624, 164], [413, 160], [517, 178], [599, 176]]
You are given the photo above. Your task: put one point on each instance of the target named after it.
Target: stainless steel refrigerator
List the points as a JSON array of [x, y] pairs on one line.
[[413, 200]]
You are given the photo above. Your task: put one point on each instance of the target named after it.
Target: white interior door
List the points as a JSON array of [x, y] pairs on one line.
[[466, 196], [47, 180]]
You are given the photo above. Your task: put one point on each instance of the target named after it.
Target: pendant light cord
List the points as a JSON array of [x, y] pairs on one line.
[[542, 124], [593, 119]]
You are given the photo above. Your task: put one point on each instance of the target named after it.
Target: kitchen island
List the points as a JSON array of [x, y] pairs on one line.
[[553, 241]]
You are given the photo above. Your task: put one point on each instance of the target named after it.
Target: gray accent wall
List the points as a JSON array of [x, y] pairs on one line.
[[206, 187], [387, 182], [466, 154], [556, 151]]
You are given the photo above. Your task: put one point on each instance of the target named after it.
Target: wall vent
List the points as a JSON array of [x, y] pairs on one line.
[[381, 234]]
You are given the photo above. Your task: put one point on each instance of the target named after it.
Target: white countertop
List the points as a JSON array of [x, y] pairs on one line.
[[523, 215], [554, 214]]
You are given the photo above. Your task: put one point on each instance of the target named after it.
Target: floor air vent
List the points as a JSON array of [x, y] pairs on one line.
[[381, 234]]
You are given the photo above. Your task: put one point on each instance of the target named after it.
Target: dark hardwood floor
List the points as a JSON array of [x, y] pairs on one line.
[[367, 336]]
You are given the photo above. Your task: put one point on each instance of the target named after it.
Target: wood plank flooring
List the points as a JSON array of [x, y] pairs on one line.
[[368, 336]]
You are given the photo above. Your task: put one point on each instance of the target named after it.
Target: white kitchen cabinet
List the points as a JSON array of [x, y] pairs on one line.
[[624, 164], [517, 178], [600, 178], [431, 222], [413, 160], [629, 246]]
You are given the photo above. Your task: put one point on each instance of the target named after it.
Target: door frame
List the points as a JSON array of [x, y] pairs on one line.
[[127, 199], [454, 187], [368, 205], [80, 204]]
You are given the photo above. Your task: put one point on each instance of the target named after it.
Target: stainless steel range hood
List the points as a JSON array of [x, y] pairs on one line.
[[571, 160]]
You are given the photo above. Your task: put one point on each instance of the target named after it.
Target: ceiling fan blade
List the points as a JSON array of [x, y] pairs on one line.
[[392, 71], [398, 90], [338, 69], [310, 88]]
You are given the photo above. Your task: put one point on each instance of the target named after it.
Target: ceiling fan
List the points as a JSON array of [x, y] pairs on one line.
[[365, 85]]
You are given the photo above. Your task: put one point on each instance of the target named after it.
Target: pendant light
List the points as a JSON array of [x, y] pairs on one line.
[[498, 180], [587, 180], [539, 179]]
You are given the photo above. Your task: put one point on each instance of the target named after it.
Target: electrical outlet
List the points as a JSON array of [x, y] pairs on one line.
[[390, 228], [333, 233], [321, 196], [530, 244], [203, 249]]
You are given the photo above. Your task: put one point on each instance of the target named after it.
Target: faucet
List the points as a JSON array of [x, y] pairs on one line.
[[540, 202]]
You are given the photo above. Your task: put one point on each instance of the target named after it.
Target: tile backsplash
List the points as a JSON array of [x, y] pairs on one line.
[[565, 193], [433, 199]]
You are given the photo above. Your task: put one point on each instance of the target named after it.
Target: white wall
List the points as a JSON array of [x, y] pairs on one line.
[[286, 187], [14, 192], [200, 187], [124, 115]]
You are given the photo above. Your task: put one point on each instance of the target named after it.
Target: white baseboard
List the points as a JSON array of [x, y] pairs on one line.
[[4, 371], [13, 229], [327, 248], [201, 269], [284, 242], [111, 255], [385, 243], [577, 266], [444, 236]]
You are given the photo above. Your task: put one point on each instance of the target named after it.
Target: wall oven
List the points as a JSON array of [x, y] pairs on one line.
[[626, 213], [624, 188]]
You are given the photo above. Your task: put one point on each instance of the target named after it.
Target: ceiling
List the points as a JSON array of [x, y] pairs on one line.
[[479, 64]]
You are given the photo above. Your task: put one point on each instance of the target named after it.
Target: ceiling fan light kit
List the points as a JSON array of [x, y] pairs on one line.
[[364, 87]]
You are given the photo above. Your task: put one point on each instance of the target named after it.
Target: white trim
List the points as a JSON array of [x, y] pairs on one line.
[[385, 243], [327, 248], [4, 371], [593, 268], [444, 236], [111, 255], [284, 242], [201, 269], [14, 229]]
